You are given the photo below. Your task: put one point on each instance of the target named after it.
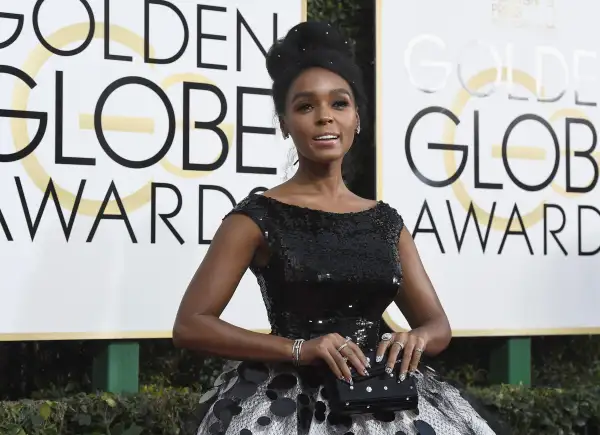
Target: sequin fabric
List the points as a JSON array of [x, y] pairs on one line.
[[327, 272]]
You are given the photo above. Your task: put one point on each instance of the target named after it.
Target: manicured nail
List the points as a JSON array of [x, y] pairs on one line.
[[388, 370], [365, 372], [350, 381], [402, 377], [379, 358]]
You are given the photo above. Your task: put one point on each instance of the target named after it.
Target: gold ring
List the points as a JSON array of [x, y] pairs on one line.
[[399, 344], [420, 350], [342, 346]]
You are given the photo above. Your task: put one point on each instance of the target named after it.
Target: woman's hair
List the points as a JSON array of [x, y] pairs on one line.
[[307, 45]]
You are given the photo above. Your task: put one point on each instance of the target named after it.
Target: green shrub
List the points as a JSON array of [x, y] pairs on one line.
[[529, 411]]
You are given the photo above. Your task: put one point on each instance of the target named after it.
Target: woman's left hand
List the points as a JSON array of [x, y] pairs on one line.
[[411, 344]]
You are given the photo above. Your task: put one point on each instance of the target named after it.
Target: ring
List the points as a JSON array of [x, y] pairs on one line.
[[399, 344], [387, 336], [420, 350], [339, 349], [348, 339]]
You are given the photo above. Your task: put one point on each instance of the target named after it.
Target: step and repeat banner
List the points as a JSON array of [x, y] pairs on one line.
[[488, 146], [127, 131]]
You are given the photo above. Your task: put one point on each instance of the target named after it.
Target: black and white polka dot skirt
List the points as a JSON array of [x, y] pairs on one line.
[[254, 398]]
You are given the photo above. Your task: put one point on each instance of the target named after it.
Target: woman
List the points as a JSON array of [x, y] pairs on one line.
[[328, 263]]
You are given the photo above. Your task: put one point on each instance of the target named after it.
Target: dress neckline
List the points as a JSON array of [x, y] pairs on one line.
[[316, 210]]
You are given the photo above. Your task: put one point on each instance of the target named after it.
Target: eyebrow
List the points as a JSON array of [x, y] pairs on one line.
[[311, 94]]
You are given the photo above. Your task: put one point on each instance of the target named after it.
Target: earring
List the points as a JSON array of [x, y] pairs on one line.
[[358, 127], [286, 135]]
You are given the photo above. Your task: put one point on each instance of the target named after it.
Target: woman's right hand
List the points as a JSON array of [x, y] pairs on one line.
[[337, 352]]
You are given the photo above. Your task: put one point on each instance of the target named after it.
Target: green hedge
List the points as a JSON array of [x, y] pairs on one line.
[[174, 411]]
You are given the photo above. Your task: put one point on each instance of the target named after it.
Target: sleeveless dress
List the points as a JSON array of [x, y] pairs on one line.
[[327, 272]]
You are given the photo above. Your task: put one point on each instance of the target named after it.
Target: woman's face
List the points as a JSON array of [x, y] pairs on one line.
[[320, 115]]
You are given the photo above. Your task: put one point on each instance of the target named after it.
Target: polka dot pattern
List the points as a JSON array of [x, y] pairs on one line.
[[256, 398]]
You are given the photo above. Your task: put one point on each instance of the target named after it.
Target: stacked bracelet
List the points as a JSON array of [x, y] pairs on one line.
[[296, 349]]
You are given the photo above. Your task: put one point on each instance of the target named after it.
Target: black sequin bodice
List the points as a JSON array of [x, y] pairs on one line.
[[327, 272]]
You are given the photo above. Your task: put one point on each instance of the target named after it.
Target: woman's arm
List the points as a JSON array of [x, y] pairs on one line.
[[199, 328], [197, 325], [417, 300]]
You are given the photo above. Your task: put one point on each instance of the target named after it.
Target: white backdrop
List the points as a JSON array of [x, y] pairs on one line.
[[487, 64], [105, 280]]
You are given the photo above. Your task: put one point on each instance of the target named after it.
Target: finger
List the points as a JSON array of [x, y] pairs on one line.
[[353, 353], [416, 358], [406, 357], [340, 361], [386, 340], [358, 351], [396, 347], [333, 365]]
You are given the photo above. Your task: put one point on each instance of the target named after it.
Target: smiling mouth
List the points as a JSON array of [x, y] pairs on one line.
[[328, 138]]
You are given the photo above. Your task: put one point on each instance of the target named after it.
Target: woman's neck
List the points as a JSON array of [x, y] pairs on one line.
[[322, 179]]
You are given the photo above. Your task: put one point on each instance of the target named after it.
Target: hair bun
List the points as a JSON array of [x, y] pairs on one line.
[[304, 40]]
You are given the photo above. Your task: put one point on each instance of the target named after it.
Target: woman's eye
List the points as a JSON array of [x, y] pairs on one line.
[[304, 107], [341, 104]]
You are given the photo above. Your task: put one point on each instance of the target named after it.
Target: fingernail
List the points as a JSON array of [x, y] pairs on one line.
[[388, 370], [402, 377], [350, 381], [365, 372], [379, 358]]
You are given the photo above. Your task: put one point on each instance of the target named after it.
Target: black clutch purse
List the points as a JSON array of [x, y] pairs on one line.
[[378, 392]]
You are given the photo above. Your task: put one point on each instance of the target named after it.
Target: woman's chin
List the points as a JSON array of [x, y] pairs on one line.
[[331, 155]]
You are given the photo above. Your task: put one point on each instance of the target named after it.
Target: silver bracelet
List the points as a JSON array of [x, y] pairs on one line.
[[296, 349]]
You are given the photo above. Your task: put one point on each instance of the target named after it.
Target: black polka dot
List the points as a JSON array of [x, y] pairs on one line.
[[264, 421], [245, 432], [283, 407], [222, 408], [244, 389], [349, 433], [283, 382], [253, 372], [320, 410], [324, 393], [386, 417], [424, 428], [400, 432], [303, 399], [320, 407], [235, 410], [271, 394], [305, 417]]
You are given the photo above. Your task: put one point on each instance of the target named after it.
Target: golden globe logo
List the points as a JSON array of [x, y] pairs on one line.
[[456, 156], [80, 35]]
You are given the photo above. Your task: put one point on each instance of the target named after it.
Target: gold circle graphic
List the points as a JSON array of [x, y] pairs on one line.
[[32, 66], [477, 81]]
